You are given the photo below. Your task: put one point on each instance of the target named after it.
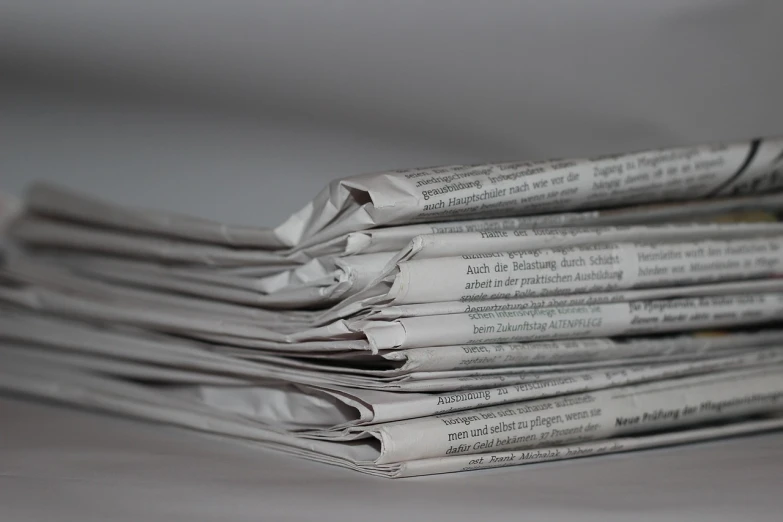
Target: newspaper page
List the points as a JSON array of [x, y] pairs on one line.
[[582, 417], [633, 318], [362, 406], [43, 232], [246, 383], [563, 351], [419, 364], [520, 240], [584, 269], [324, 281], [118, 280], [147, 358], [316, 407], [61, 203], [395, 238], [90, 284], [499, 459], [192, 323], [565, 269], [46, 203], [634, 411], [554, 301], [456, 193], [609, 319], [497, 190], [317, 283]]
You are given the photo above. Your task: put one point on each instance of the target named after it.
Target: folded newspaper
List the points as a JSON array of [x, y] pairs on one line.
[[422, 321]]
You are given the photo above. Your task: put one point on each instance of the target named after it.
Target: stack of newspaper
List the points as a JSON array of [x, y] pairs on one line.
[[422, 321]]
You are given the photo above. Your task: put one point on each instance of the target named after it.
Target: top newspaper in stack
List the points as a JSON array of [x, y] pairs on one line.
[[463, 192]]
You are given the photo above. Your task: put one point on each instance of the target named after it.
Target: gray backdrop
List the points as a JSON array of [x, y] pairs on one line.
[[260, 102]]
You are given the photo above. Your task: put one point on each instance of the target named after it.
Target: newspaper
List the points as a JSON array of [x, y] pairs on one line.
[[541, 354], [463, 191], [581, 417], [452, 192], [90, 284], [39, 231], [685, 262], [544, 433], [629, 318], [580, 450], [580, 269], [317, 283], [302, 280], [419, 370], [422, 321], [555, 301], [363, 406], [32, 228], [523, 240], [395, 238], [58, 202], [265, 331], [116, 280], [325, 406], [334, 280], [632, 318]]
